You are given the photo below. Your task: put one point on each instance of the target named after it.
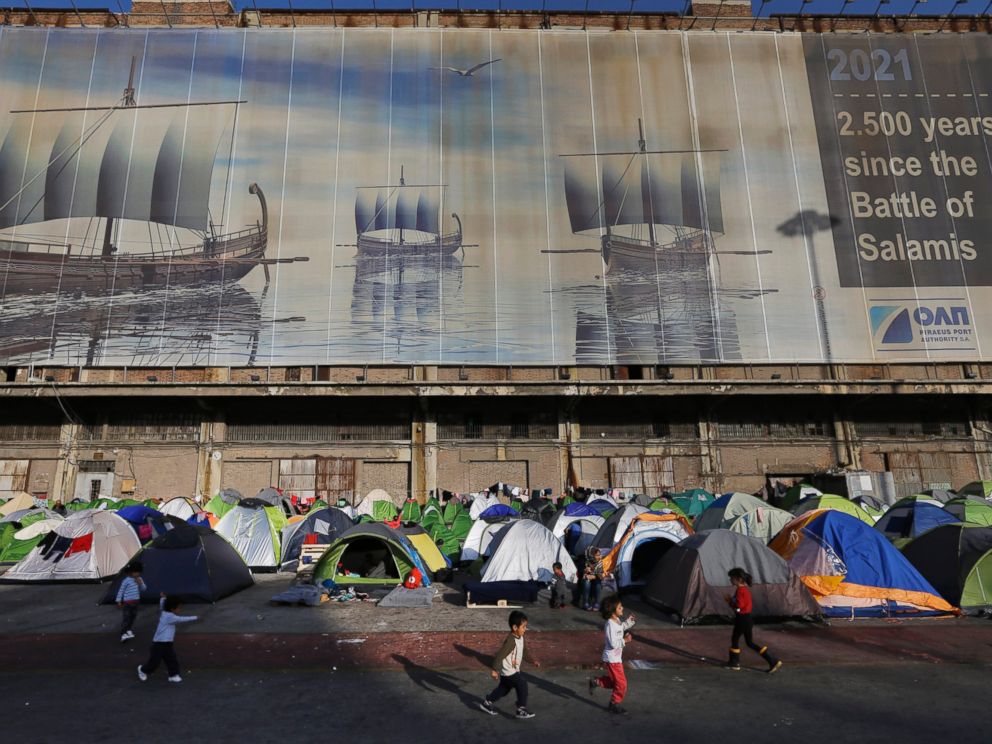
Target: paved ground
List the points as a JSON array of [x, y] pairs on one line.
[[905, 703]]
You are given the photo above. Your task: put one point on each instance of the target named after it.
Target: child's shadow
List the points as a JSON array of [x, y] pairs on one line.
[[541, 682], [679, 652], [432, 680]]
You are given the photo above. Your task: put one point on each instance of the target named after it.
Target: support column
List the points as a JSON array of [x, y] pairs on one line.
[[64, 482], [981, 433], [423, 455], [709, 454]]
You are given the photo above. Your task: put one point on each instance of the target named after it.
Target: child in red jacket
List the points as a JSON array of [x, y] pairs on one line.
[[744, 623]]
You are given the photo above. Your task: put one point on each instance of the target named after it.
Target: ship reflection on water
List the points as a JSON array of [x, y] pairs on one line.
[[192, 325]]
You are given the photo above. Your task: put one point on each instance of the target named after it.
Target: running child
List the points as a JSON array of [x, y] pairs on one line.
[[744, 623], [617, 636], [165, 634], [506, 668]]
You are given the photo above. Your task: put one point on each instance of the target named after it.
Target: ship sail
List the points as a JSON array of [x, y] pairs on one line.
[[641, 189], [398, 208], [153, 166]]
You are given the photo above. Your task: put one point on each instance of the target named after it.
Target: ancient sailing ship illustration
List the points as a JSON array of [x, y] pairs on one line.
[[120, 166], [403, 219], [655, 213]]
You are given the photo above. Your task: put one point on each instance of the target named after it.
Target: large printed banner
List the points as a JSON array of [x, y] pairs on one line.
[[378, 196]]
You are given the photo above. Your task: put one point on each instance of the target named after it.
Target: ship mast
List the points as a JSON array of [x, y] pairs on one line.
[[127, 101], [642, 147], [402, 184]]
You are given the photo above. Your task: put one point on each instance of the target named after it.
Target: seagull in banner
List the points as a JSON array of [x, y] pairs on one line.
[[470, 71]]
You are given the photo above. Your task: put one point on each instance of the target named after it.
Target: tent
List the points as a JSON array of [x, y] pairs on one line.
[[477, 542], [193, 563], [180, 507], [461, 525], [223, 502], [977, 488], [319, 527], [426, 548], [872, 506], [253, 527], [957, 560], [616, 525], [480, 503], [451, 510], [411, 511], [648, 537], [18, 503], [939, 494], [852, 570], [86, 546], [22, 541], [378, 505], [970, 509], [797, 493], [832, 501], [576, 526], [909, 518], [744, 513], [499, 511], [663, 503], [525, 551], [539, 509], [275, 497], [694, 501], [145, 522], [602, 503], [369, 553], [691, 579], [24, 517]]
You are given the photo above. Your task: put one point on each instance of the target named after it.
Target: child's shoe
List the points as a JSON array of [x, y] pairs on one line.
[[127, 636], [175, 678], [141, 674], [486, 707], [617, 710], [778, 665], [524, 713], [593, 685]]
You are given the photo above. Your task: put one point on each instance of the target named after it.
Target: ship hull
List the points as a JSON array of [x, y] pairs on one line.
[[373, 247], [224, 259], [628, 254]]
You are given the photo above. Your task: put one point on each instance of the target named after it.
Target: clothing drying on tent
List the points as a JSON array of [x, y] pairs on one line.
[[194, 563], [957, 560], [526, 551], [86, 546], [23, 540], [616, 525], [852, 570], [146, 522], [378, 505], [370, 553], [19, 502], [480, 503], [180, 507], [744, 513], [832, 501], [254, 528], [970, 509], [319, 527], [578, 529], [223, 502], [909, 518], [691, 579], [477, 542], [648, 537]]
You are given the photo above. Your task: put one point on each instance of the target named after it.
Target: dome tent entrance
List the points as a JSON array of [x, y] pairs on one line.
[[957, 560], [525, 551], [370, 553], [319, 527], [576, 531], [648, 537], [691, 579], [194, 563], [87, 546], [909, 518]]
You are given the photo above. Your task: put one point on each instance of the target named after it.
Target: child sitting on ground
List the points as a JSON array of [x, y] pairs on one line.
[[506, 668]]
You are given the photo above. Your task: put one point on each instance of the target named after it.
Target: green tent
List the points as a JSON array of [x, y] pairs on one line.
[[411, 511], [835, 502], [447, 542], [318, 505], [7, 530], [369, 553], [982, 489], [694, 501], [797, 493], [971, 510], [24, 540], [661, 503], [461, 526], [222, 502], [432, 511], [957, 560], [78, 506], [451, 510]]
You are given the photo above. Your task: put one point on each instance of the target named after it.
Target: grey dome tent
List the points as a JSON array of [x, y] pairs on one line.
[[194, 563], [320, 527], [691, 579]]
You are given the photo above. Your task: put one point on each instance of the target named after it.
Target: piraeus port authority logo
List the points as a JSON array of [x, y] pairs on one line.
[[921, 324]]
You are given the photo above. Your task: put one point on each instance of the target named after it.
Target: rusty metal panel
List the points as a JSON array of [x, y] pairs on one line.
[[13, 477], [335, 479], [647, 474]]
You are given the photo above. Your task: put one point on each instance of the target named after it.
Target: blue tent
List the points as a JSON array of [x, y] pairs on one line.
[[601, 506], [910, 518], [578, 509], [499, 511]]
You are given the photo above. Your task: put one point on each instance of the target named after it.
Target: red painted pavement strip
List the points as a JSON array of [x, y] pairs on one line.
[[846, 645]]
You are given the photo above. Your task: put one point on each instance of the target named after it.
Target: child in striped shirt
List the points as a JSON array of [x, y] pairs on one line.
[[129, 598]]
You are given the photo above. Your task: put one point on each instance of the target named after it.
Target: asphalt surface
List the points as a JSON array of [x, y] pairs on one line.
[[915, 702]]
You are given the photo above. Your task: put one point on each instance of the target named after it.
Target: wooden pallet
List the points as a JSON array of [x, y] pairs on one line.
[[314, 553], [500, 604]]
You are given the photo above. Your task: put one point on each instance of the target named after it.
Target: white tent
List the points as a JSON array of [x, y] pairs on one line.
[[576, 532], [87, 546], [180, 507], [20, 516], [34, 529], [251, 531], [480, 537], [602, 497], [614, 528], [367, 505], [482, 502], [525, 551], [744, 513], [633, 555], [19, 502]]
